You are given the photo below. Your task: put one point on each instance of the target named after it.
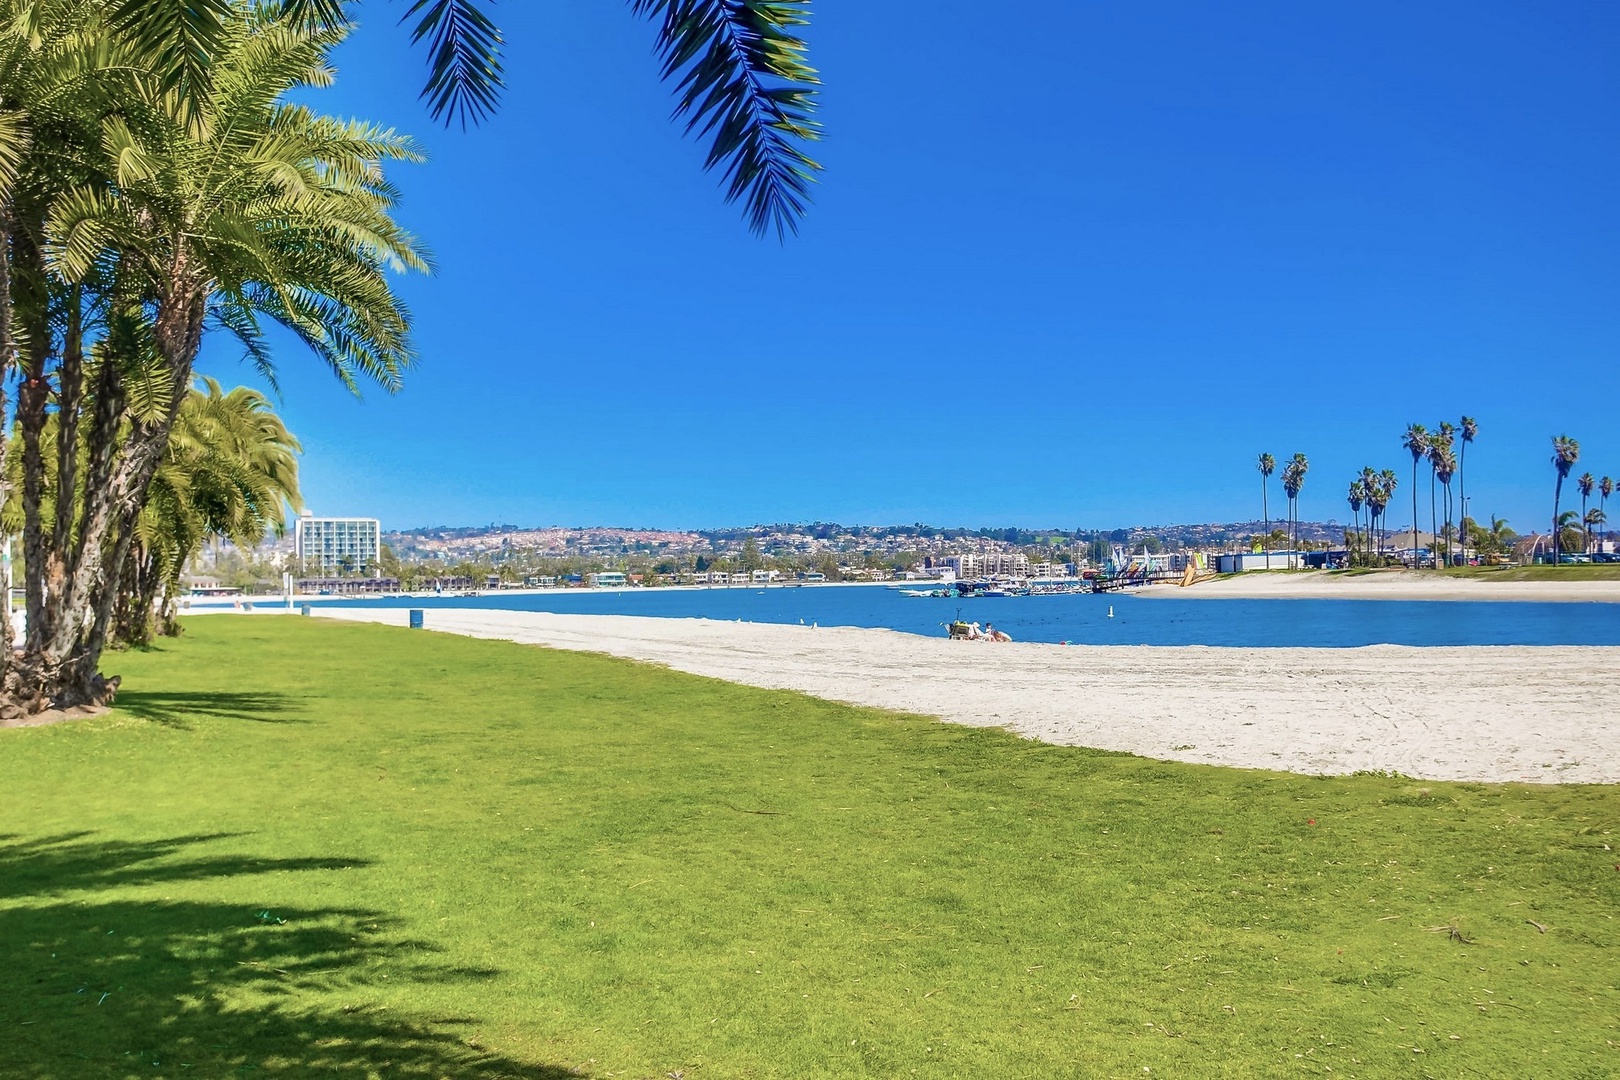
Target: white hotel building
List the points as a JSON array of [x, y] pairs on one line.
[[352, 544]]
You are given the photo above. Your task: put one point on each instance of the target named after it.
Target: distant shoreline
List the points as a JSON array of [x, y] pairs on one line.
[[209, 603], [1255, 585], [1389, 585]]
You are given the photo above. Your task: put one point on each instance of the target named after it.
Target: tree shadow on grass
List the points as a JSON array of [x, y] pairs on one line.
[[53, 865], [125, 987], [174, 708]]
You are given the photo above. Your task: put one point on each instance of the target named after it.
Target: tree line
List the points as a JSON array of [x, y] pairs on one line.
[[1445, 449]]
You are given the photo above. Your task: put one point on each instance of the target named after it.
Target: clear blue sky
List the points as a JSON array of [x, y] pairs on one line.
[[1074, 271]]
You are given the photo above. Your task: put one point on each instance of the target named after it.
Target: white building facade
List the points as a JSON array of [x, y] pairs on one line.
[[971, 565], [348, 544]]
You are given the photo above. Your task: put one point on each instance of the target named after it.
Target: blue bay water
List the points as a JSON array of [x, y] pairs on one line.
[[1083, 619]]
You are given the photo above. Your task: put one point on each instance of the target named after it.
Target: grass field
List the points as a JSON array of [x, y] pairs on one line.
[[303, 848], [1576, 572], [1580, 572]]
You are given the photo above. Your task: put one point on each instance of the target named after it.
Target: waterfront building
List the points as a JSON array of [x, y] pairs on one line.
[[971, 565], [607, 579], [1244, 561], [336, 586], [349, 544]]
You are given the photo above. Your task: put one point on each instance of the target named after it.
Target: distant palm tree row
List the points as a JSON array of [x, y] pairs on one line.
[[1445, 456], [1293, 480], [1566, 452], [1372, 490], [1445, 448]]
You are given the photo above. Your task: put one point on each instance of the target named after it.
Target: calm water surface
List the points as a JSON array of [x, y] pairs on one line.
[[1084, 619]]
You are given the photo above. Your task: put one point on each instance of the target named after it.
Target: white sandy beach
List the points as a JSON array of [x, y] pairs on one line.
[[1388, 585], [1502, 713]]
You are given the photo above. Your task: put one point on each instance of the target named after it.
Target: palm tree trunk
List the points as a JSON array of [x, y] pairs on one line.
[[1450, 522], [73, 587], [1434, 521], [1414, 514], [69, 398], [1558, 493], [1265, 510], [33, 393], [1462, 499], [8, 360]]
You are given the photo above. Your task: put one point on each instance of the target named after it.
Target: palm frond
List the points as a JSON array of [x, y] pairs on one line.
[[14, 138], [742, 81], [465, 76], [232, 313], [180, 36]]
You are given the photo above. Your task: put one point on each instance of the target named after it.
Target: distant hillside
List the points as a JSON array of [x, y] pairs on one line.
[[445, 542]]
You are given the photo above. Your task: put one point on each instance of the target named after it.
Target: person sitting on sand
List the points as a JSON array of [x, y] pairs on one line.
[[992, 634], [974, 633]]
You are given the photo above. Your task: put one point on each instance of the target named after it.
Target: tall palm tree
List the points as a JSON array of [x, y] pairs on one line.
[[1416, 441], [1585, 484], [1289, 488], [1387, 483], [238, 208], [1605, 489], [1566, 452], [1369, 486], [1469, 429], [1356, 497], [1267, 464], [1293, 481], [1439, 444], [1445, 467]]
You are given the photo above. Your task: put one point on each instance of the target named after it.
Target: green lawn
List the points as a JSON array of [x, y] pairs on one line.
[[1579, 572], [306, 848], [1575, 572]]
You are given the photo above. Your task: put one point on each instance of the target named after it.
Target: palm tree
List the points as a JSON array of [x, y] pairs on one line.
[[1439, 444], [1500, 535], [1605, 489], [1594, 518], [1293, 481], [1416, 441], [1469, 428], [230, 470], [1444, 469], [1357, 495], [237, 209], [1388, 482], [1369, 486], [1566, 452], [1585, 484], [1568, 530], [108, 84], [1267, 465], [1288, 478]]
